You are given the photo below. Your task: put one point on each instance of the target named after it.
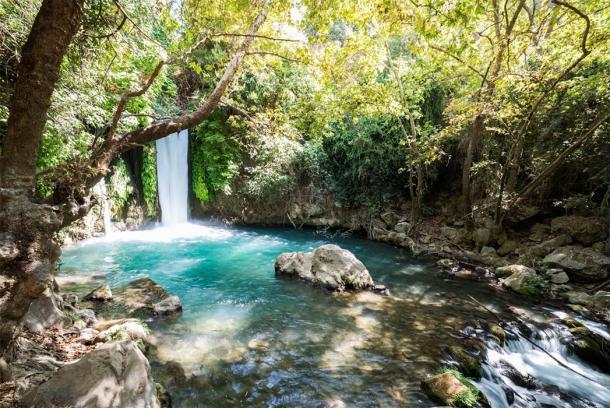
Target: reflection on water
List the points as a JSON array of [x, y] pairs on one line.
[[248, 338]]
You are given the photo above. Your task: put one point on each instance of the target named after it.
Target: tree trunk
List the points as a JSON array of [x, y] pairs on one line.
[[473, 142], [53, 29], [28, 252]]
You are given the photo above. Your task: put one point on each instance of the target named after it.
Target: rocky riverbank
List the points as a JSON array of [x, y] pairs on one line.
[[86, 340], [563, 259]]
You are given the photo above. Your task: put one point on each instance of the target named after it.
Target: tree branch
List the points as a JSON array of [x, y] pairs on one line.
[[265, 37], [113, 32], [101, 159], [275, 55], [129, 95], [455, 57], [516, 151], [548, 171]]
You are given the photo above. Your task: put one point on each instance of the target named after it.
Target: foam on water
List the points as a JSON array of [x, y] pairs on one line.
[[581, 381], [166, 234]]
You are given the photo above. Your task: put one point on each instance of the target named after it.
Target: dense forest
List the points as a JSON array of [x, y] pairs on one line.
[[473, 135]]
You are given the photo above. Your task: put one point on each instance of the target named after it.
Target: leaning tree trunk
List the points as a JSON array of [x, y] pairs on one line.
[[28, 252]]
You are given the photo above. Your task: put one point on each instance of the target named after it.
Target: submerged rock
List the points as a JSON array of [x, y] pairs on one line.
[[102, 294], [329, 266], [581, 264], [145, 298], [584, 230], [114, 375]]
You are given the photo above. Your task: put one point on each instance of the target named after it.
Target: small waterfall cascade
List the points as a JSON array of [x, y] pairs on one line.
[[172, 177], [537, 368], [103, 194]]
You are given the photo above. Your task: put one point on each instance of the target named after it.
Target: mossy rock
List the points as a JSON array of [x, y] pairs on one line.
[[572, 323], [497, 332], [452, 389], [467, 364], [591, 347]]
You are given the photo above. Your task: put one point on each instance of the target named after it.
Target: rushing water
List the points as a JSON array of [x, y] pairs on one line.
[[172, 177], [248, 338], [106, 213]]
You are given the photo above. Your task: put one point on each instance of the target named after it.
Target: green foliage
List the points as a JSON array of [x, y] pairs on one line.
[[120, 188], [469, 398], [535, 285], [366, 160], [149, 179], [369, 91], [214, 160], [273, 174]]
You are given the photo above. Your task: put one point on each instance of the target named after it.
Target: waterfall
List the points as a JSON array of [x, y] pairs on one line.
[[103, 193], [172, 176]]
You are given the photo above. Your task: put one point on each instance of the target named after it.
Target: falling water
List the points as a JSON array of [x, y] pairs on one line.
[[172, 176], [103, 193], [535, 368]]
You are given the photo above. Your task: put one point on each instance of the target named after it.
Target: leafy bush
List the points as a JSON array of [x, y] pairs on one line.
[[120, 188], [214, 160], [366, 160], [535, 285], [149, 179], [273, 173]]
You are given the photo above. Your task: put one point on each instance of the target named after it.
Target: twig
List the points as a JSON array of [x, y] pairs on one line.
[[292, 222], [266, 37], [275, 55], [601, 285], [149, 38]]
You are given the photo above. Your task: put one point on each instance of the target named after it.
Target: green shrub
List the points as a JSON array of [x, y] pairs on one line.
[[149, 179], [469, 398], [535, 285], [215, 159]]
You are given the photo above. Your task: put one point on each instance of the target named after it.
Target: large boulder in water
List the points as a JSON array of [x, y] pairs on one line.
[[114, 375], [329, 266], [581, 264], [584, 230]]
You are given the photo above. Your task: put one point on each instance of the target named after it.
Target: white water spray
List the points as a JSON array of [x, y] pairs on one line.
[[103, 193], [172, 176]]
